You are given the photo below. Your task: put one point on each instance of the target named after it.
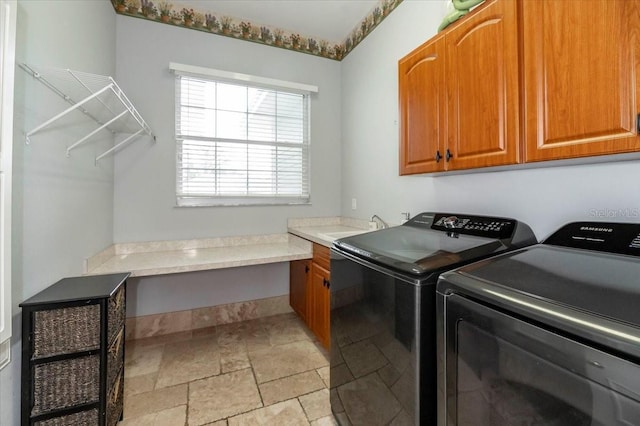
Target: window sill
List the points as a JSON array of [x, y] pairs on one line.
[[240, 203]]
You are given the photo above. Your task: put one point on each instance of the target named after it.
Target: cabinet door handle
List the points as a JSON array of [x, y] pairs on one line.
[[449, 155], [328, 284], [324, 282], [306, 269], [438, 156], [638, 124]]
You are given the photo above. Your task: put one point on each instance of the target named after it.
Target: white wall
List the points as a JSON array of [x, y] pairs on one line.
[[545, 198], [62, 207], [370, 118], [179, 292], [145, 173]]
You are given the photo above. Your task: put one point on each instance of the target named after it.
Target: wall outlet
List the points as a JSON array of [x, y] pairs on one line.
[[354, 204]]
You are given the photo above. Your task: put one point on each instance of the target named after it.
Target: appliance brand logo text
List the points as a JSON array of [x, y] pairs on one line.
[[595, 229]]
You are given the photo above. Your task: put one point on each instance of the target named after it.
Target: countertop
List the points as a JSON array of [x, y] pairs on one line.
[[325, 231], [169, 257]]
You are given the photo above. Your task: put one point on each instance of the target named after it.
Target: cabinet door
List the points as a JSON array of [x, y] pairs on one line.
[[422, 100], [581, 77], [320, 283], [299, 274], [482, 83]]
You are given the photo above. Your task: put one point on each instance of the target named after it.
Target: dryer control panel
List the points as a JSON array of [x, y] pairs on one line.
[[611, 237]]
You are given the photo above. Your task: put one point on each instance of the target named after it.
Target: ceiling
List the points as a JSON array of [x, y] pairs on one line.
[[331, 20]]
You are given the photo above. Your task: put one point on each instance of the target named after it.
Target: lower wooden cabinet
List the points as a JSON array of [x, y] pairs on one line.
[[319, 303], [299, 276], [309, 292]]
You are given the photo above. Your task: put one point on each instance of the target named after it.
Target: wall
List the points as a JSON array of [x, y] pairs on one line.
[[545, 198], [185, 291], [370, 119], [145, 172], [62, 207]]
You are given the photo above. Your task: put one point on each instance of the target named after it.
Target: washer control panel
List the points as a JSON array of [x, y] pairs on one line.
[[482, 226]]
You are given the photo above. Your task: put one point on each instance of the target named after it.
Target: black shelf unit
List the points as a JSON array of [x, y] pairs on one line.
[[73, 336]]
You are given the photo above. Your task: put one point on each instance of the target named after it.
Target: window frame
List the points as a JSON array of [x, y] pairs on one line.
[[255, 82]]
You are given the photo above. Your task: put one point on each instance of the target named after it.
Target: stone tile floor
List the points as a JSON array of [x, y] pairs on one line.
[[269, 371]]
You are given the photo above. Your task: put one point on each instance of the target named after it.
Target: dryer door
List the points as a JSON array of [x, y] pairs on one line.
[[502, 370]]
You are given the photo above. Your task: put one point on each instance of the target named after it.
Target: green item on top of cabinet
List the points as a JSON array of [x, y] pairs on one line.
[[461, 8]]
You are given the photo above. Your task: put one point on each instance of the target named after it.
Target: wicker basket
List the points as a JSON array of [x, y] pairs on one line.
[[115, 359], [83, 418], [66, 383], [66, 330], [116, 313], [115, 402]]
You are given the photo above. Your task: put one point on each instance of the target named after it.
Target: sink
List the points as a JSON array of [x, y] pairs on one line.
[[341, 234]]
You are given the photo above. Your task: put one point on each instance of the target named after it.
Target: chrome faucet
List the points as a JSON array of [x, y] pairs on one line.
[[381, 223]]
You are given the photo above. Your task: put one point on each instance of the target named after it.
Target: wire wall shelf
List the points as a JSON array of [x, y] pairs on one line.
[[98, 97]]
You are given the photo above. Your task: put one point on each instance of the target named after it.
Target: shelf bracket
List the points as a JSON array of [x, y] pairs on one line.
[[116, 118], [110, 150], [66, 111], [110, 108]]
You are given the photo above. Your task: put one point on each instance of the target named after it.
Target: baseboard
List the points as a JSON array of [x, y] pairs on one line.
[[194, 319]]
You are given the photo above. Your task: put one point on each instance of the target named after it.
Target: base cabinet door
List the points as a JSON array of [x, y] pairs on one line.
[[309, 291], [299, 277], [581, 79], [320, 284]]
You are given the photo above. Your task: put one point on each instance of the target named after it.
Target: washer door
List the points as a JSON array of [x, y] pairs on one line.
[[501, 370]]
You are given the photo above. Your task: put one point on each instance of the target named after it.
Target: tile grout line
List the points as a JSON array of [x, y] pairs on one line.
[[244, 336], [188, 408]]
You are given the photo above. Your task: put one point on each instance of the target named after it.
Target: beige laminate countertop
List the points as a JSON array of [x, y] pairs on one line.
[[169, 257], [325, 231]]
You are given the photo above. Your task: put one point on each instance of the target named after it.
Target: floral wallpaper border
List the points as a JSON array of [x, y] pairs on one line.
[[163, 11]]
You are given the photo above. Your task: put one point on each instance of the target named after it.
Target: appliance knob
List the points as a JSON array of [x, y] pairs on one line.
[[451, 222]]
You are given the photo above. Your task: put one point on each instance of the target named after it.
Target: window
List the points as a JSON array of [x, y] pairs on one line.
[[240, 142]]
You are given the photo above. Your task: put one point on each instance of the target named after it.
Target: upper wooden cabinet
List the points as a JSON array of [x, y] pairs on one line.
[[581, 78], [482, 86], [459, 104], [525, 81], [422, 94]]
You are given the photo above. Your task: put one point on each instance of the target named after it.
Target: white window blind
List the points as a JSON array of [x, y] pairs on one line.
[[239, 143]]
